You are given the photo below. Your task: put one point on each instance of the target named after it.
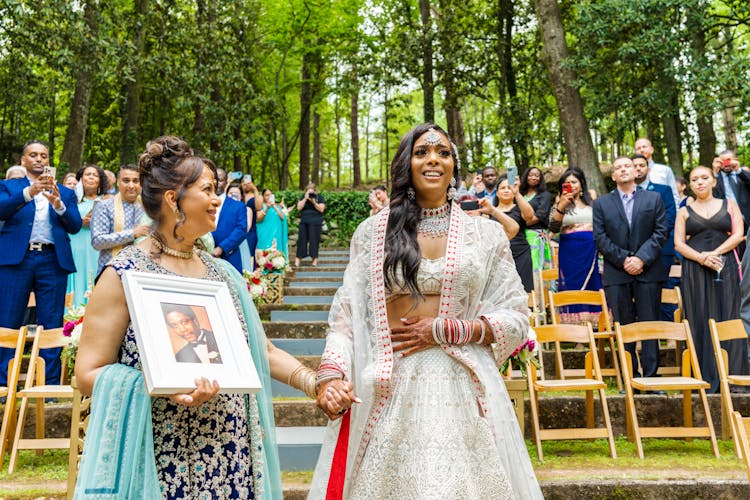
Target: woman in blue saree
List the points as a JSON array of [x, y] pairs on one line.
[[196, 445], [573, 217]]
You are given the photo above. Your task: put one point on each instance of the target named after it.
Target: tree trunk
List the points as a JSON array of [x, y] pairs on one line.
[[52, 124], [354, 126], [129, 145], [337, 118], [75, 137], [673, 134], [704, 120], [305, 101], [428, 84], [315, 174], [578, 145], [730, 127], [367, 142]]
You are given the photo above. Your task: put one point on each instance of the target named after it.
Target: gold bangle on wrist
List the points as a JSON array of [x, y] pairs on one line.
[[304, 379]]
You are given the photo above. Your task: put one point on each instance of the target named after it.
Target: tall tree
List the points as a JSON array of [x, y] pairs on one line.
[[75, 136], [354, 128], [578, 144], [133, 84], [426, 40], [305, 102]]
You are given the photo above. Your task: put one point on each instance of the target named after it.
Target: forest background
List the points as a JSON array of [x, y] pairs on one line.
[[294, 91]]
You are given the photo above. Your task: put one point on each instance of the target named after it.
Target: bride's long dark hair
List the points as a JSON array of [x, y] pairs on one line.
[[401, 246]]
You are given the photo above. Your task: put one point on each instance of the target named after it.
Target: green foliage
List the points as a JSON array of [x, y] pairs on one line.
[[345, 210]]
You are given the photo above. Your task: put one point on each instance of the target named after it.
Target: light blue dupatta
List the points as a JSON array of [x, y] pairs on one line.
[[258, 349], [118, 455]]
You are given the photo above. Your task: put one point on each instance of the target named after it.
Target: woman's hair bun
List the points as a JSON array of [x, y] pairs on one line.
[[154, 149]]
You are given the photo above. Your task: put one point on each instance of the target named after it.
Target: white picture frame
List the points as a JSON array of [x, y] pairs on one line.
[[160, 308]]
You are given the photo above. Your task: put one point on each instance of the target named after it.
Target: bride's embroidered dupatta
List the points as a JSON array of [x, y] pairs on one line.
[[480, 280]]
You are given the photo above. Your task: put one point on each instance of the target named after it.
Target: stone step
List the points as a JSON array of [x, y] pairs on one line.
[[562, 411], [327, 268], [292, 281], [265, 310], [311, 289], [325, 300], [286, 330], [298, 316], [314, 284], [308, 275], [299, 447], [302, 347]]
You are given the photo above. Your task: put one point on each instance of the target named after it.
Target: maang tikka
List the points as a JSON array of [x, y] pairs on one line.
[[432, 137]]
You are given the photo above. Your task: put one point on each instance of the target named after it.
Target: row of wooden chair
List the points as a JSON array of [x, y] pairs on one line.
[[688, 380]]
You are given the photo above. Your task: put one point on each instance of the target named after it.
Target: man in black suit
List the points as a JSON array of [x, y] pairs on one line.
[[191, 343], [630, 227], [733, 183]]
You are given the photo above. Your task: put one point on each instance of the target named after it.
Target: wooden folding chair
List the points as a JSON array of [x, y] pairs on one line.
[[79, 422], [689, 380], [36, 389], [544, 281], [722, 332], [603, 334], [742, 426], [10, 339], [591, 382]]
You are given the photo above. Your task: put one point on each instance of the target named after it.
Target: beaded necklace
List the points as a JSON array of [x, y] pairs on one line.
[[170, 251], [435, 222]]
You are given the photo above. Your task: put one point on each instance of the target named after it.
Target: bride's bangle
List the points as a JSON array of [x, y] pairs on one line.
[[484, 331]]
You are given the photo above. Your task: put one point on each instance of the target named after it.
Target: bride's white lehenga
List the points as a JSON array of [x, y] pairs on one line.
[[439, 423]]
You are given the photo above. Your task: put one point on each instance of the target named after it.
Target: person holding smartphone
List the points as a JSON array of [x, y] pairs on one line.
[[39, 216], [733, 183], [311, 207], [254, 203], [573, 217], [273, 229]]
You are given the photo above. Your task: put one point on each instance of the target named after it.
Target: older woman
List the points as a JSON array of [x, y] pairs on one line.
[[94, 187], [205, 445], [409, 343], [273, 229], [707, 233]]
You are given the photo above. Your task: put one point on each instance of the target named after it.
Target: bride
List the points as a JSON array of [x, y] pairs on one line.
[[408, 362]]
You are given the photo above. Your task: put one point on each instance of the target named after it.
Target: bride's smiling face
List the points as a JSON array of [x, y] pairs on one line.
[[431, 165]]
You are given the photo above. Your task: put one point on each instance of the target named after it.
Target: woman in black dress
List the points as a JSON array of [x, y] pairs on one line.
[[533, 189], [311, 207], [706, 234], [507, 206]]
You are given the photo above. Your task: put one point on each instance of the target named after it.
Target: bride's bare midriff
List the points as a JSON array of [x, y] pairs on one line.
[[403, 307]]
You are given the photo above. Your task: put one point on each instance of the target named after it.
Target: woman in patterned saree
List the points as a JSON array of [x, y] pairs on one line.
[[408, 362], [205, 444]]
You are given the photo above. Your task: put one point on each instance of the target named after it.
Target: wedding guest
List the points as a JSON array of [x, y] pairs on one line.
[[254, 203], [273, 229], [69, 181], [311, 207], [706, 233], [94, 188], [205, 444], [682, 189], [231, 228], [534, 190]]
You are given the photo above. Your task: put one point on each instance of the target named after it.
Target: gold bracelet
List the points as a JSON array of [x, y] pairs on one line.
[[293, 374]]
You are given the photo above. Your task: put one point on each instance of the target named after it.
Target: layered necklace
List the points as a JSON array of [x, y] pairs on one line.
[[435, 222], [170, 251]]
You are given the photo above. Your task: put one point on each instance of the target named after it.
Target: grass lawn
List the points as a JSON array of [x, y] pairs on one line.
[[45, 475]]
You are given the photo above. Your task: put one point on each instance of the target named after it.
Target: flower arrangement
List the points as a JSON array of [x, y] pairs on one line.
[[271, 261], [72, 328], [527, 351], [256, 284]]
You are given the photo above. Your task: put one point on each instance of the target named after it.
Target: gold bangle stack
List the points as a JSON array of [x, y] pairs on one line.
[[304, 379]]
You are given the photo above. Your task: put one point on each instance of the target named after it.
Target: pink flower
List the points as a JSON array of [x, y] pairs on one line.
[[68, 328], [269, 266]]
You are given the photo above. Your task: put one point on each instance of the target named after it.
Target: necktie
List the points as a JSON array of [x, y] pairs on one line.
[[733, 183]]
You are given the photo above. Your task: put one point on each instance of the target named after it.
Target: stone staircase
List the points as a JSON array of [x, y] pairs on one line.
[[299, 326]]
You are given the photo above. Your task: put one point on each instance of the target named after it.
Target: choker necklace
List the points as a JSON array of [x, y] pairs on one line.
[[170, 251], [435, 222]]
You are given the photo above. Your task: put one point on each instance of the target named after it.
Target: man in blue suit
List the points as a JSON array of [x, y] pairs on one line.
[[38, 214], [231, 228]]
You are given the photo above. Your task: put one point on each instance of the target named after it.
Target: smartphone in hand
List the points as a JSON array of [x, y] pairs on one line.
[[469, 205], [512, 174], [50, 171], [567, 188]]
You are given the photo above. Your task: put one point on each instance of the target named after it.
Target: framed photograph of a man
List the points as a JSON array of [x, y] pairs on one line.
[[187, 328]]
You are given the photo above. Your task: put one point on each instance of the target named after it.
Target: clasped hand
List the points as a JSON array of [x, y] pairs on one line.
[[633, 265], [335, 397], [712, 260]]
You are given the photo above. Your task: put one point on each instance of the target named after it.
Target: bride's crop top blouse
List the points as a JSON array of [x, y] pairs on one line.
[[429, 279]]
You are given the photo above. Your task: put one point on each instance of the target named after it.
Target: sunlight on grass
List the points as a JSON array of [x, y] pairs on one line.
[[51, 465]]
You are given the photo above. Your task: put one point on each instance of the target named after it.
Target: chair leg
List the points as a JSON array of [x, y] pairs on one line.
[[534, 404], [687, 410], [18, 435], [75, 436], [615, 363], [632, 419], [7, 428], [709, 422], [607, 423]]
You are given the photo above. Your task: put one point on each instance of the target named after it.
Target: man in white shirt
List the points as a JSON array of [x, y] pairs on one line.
[[658, 174]]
